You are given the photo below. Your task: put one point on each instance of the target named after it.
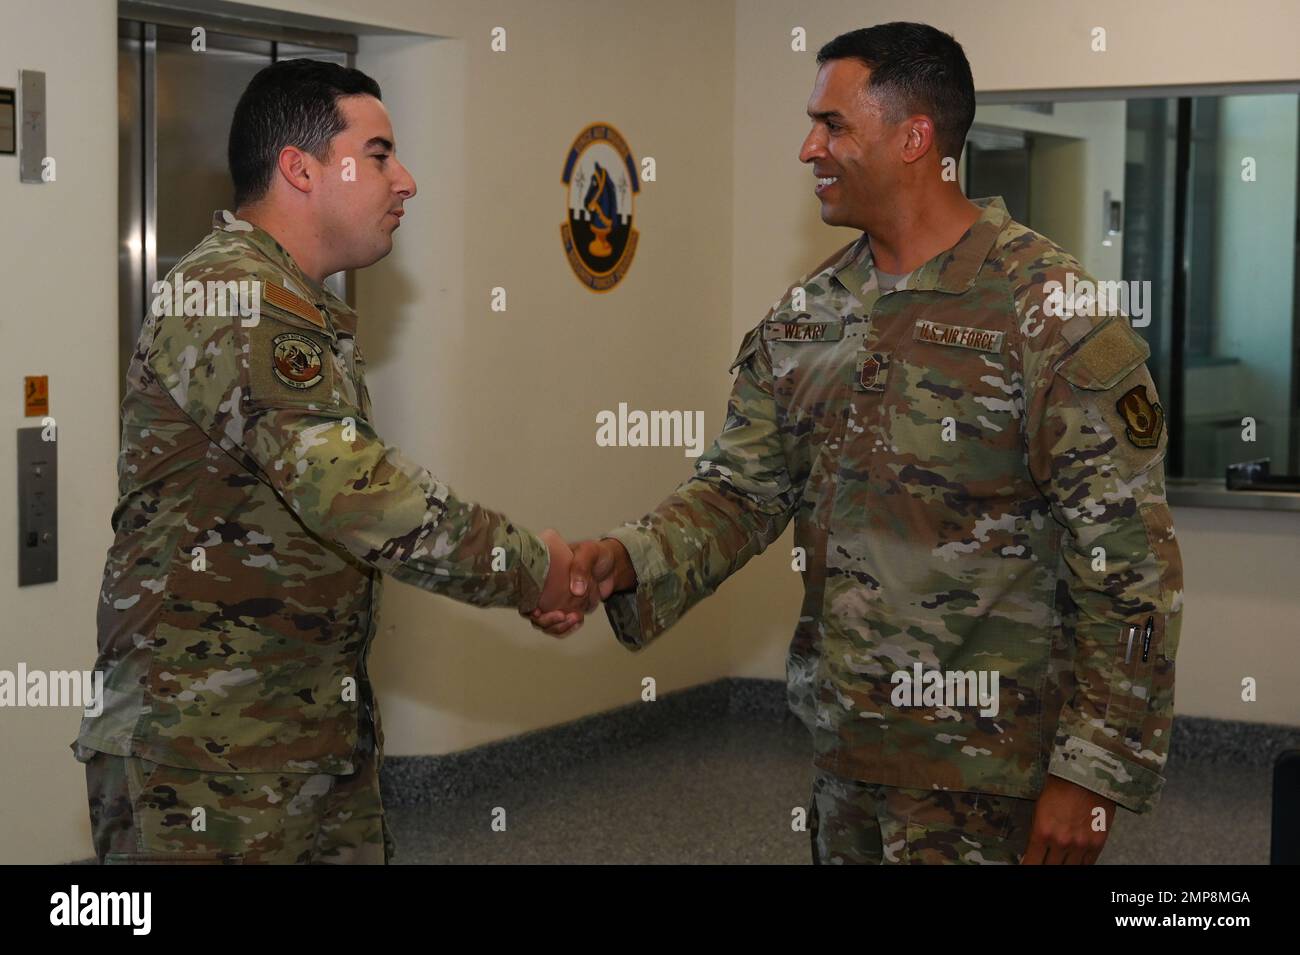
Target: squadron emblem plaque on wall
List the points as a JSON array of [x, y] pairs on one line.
[[600, 183]]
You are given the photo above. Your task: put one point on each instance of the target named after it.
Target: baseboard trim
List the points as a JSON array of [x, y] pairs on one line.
[[417, 780]]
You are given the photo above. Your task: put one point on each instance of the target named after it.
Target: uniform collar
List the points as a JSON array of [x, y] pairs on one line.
[[343, 317], [345, 320], [953, 270]]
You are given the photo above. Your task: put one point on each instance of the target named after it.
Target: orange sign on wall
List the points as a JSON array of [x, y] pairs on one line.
[[36, 395]]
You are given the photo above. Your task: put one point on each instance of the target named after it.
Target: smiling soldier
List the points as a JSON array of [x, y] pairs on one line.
[[979, 490]]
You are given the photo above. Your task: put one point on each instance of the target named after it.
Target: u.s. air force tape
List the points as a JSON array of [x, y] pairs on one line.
[[980, 339], [778, 331]]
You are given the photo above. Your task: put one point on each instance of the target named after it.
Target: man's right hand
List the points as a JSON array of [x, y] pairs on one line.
[[556, 597], [599, 568]]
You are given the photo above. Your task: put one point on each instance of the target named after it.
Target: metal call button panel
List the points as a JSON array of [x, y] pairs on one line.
[[31, 139], [38, 508]]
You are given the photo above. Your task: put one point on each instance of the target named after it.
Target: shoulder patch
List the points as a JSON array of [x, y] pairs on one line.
[[291, 367], [1113, 386], [1144, 419], [1106, 355]]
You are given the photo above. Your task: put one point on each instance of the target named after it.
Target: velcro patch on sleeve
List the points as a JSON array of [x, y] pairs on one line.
[[1108, 354], [288, 366]]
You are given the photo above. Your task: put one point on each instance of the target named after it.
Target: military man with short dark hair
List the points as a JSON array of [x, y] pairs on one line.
[[993, 592], [259, 509]]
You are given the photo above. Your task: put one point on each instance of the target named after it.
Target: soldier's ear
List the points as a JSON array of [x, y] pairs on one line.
[[293, 167], [920, 135]]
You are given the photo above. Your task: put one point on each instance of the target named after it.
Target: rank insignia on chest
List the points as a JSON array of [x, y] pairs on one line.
[[1144, 417], [873, 371], [778, 331]]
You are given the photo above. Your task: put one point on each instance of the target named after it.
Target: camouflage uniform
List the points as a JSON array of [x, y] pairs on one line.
[[870, 824], [145, 812], [252, 439], [977, 486]]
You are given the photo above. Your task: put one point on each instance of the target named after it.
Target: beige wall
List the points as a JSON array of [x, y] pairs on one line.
[[58, 317], [502, 406]]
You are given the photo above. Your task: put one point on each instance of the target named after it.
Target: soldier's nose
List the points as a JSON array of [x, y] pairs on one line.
[[810, 150]]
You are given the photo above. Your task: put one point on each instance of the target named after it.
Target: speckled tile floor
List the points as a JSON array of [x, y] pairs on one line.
[[722, 792]]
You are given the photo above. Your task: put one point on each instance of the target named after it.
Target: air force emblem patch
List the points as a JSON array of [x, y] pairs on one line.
[[296, 360], [1144, 417]]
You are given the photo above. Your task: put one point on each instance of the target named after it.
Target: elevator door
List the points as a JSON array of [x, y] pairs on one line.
[[175, 104]]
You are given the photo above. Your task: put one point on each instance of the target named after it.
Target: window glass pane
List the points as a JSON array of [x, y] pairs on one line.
[[1241, 251], [1100, 178], [1150, 151]]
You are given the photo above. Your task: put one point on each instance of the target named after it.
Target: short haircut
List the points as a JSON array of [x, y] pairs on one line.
[[289, 103], [914, 69]]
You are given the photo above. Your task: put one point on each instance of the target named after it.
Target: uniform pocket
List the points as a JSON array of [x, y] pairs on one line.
[[1137, 648], [971, 828], [952, 421]]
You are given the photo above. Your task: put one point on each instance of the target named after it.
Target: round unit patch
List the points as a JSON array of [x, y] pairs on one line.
[[297, 360], [600, 181]]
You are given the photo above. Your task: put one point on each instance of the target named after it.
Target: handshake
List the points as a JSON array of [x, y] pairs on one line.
[[580, 577]]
